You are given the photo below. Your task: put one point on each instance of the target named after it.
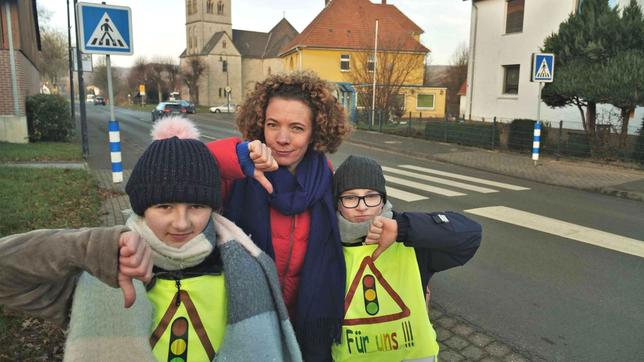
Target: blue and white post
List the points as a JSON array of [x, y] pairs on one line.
[[543, 71], [536, 140], [114, 131]]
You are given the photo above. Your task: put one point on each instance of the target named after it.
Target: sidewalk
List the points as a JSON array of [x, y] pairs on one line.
[[583, 175]]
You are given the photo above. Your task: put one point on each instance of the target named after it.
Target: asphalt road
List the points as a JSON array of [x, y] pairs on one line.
[[548, 294]]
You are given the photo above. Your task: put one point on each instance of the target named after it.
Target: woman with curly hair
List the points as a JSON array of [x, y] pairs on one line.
[[278, 186]]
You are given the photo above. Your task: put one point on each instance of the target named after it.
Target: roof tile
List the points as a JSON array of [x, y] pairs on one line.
[[350, 24]]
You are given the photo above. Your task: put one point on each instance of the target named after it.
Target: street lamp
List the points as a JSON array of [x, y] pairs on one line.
[[224, 68]]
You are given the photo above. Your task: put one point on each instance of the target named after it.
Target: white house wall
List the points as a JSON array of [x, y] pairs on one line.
[[494, 49]]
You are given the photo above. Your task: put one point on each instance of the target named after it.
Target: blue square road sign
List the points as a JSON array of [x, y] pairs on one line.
[[104, 29], [543, 67]]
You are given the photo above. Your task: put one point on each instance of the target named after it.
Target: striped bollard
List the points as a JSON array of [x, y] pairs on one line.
[[536, 141], [115, 151]]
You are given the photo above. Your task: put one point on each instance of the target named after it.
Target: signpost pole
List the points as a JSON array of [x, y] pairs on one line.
[[536, 141], [114, 131], [543, 66], [105, 29], [81, 90]]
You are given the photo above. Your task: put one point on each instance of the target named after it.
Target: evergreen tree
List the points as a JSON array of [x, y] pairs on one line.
[[584, 41]]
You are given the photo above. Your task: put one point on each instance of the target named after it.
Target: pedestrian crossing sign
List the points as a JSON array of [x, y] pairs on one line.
[[104, 29], [543, 67]]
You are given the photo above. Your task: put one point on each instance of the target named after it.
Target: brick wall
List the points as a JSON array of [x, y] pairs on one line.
[[28, 79], [6, 100]]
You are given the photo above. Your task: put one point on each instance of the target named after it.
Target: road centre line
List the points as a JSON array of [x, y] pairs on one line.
[[423, 187], [403, 195], [460, 185], [562, 228], [467, 178]]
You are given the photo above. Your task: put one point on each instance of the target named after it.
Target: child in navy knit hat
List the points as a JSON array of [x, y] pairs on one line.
[[195, 286], [390, 257]]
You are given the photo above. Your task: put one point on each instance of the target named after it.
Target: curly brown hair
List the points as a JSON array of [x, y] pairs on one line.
[[330, 126]]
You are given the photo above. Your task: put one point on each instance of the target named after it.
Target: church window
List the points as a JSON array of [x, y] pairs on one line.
[[210, 7], [269, 71], [219, 92], [220, 8], [223, 44], [224, 66]]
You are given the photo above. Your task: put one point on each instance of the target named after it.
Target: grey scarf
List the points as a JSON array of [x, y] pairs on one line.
[[354, 232], [170, 258]]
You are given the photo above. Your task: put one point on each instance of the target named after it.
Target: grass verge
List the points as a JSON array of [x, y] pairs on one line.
[[35, 199], [40, 152]]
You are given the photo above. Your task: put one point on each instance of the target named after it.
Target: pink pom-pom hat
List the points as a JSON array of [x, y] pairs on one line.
[[172, 126]]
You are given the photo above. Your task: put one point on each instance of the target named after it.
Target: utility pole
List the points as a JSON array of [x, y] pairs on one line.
[[81, 91], [71, 66]]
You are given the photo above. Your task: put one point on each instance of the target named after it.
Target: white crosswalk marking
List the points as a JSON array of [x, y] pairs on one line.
[[403, 195], [439, 180], [423, 187], [466, 178], [563, 229]]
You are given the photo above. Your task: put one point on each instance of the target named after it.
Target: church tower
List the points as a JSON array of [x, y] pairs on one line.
[[205, 18]]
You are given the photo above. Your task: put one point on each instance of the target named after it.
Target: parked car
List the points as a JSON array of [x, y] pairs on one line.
[[189, 106], [167, 108], [224, 108], [99, 100]]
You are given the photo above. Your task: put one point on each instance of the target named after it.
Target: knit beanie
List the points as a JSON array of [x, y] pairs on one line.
[[176, 167], [357, 172]]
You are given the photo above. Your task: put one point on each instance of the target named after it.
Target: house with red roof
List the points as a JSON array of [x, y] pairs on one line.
[[341, 45]]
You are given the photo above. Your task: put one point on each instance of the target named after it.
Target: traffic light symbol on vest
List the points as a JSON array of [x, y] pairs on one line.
[[178, 351], [370, 296]]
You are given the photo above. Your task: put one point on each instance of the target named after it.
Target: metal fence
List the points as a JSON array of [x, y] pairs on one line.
[[560, 139]]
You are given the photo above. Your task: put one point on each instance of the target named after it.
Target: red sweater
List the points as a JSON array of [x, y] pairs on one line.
[[289, 234]]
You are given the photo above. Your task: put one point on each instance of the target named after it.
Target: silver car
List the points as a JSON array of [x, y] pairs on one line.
[[224, 108]]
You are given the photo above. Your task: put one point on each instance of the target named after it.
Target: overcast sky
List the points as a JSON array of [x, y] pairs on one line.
[[159, 25]]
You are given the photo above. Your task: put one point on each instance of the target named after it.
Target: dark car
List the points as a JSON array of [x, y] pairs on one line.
[[99, 100], [190, 107], [167, 108]]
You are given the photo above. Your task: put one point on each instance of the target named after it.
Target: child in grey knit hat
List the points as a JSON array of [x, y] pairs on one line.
[[390, 257], [195, 286]]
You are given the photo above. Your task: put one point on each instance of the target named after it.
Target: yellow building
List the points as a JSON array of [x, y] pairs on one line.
[[339, 45]]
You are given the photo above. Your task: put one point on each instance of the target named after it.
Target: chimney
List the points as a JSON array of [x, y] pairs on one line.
[[384, 2], [326, 2]]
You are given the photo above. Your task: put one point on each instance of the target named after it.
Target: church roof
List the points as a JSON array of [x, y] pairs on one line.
[[350, 24], [212, 42], [250, 43], [255, 44]]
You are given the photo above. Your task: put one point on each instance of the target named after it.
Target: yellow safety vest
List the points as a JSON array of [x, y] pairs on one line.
[[385, 317], [188, 326]]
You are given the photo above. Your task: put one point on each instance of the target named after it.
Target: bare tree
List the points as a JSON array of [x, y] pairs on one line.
[[455, 76], [138, 75], [191, 74], [54, 59], [172, 70], [98, 78], [54, 54], [394, 69], [155, 72]]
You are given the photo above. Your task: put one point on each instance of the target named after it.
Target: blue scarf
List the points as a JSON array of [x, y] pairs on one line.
[[320, 297]]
